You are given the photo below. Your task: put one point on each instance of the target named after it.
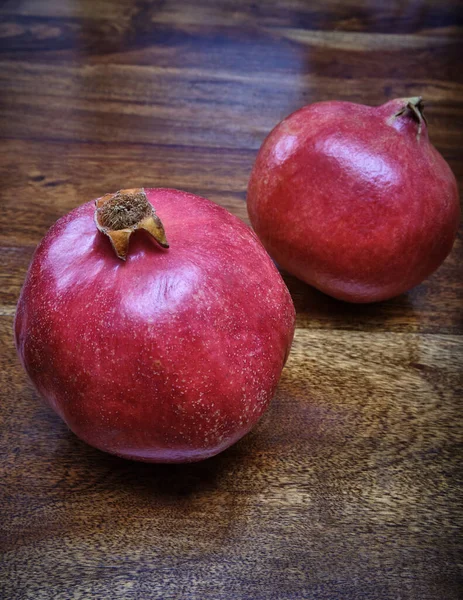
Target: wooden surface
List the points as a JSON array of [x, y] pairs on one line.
[[349, 488]]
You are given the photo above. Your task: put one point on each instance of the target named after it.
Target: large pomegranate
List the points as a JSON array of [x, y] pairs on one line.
[[355, 200], [170, 355]]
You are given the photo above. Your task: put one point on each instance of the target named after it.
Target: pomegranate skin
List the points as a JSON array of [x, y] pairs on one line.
[[170, 356], [355, 200]]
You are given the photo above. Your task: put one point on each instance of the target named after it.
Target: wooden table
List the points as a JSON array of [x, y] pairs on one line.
[[349, 486]]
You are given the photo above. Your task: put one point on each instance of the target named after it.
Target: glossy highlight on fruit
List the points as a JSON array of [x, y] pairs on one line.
[[155, 324], [354, 199]]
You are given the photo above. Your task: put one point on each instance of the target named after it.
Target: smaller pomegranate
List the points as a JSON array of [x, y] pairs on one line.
[[355, 200], [157, 351]]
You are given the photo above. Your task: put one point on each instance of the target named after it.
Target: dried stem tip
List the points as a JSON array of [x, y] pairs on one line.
[[119, 215]]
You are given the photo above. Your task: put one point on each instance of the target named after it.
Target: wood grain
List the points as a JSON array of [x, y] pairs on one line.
[[350, 486]]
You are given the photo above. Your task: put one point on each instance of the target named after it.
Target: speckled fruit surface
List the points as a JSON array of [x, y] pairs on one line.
[[354, 199], [170, 356]]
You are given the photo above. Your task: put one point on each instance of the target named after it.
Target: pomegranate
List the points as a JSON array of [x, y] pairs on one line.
[[169, 355], [355, 200]]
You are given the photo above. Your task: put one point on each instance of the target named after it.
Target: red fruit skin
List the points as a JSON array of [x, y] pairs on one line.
[[171, 356], [353, 200]]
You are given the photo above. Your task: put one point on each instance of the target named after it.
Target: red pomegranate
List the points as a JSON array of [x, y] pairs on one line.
[[170, 355], [355, 200]]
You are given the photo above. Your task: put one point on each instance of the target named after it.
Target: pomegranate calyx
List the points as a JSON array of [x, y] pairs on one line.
[[415, 107], [119, 215]]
